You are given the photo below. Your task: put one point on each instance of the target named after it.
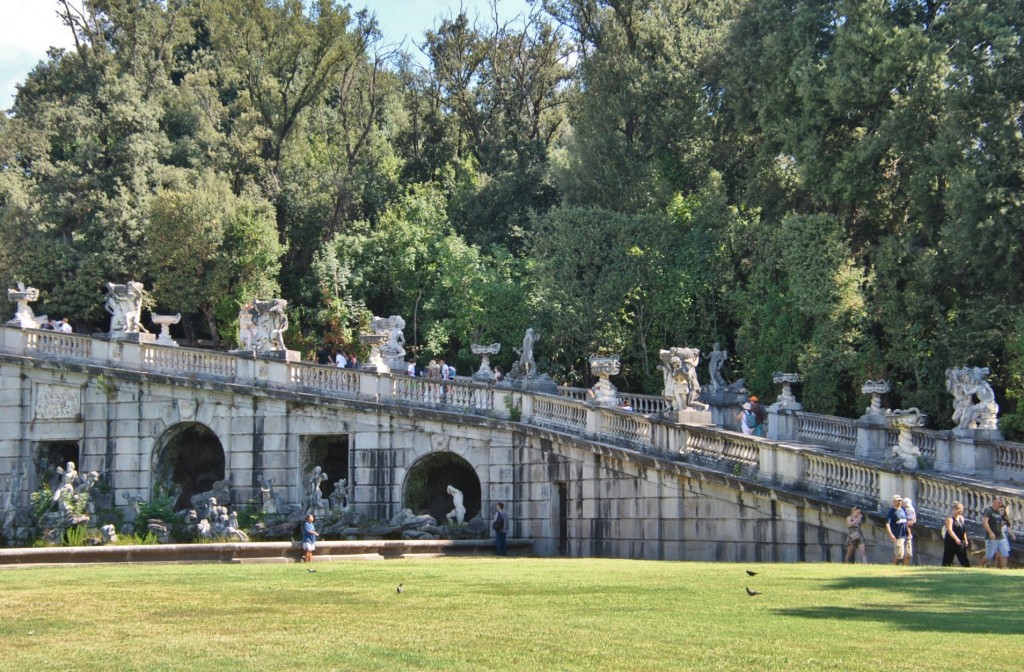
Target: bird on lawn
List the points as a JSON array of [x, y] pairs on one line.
[[751, 572], [753, 592], [399, 589], [311, 570]]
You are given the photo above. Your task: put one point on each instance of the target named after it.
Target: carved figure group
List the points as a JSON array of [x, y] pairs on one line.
[[270, 322], [392, 349], [679, 369], [965, 385], [124, 303], [23, 315]]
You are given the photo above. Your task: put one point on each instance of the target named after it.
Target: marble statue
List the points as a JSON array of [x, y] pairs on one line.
[[23, 315], [270, 322], [124, 303], [525, 367], [716, 360], [134, 506], [69, 478], [339, 497], [392, 348], [246, 328], [965, 384], [316, 496], [679, 370], [269, 504], [458, 514], [165, 322], [109, 534]]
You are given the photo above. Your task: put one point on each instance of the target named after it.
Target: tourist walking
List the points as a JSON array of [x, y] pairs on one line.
[[998, 532], [500, 526], [748, 420], [855, 536], [954, 538], [896, 526], [309, 535]]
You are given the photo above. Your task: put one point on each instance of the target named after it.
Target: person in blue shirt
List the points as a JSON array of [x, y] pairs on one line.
[[309, 535], [896, 526]]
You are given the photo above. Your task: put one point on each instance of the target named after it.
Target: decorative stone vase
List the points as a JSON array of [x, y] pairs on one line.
[[375, 362], [604, 392], [876, 388], [165, 322], [484, 373], [786, 400], [906, 421]]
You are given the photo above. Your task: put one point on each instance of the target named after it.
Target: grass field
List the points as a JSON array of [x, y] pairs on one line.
[[500, 614]]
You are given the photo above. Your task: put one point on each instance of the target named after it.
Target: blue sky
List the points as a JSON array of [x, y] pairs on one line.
[[30, 27]]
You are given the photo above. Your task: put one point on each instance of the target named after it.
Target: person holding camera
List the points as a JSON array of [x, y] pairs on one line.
[[954, 538], [855, 535]]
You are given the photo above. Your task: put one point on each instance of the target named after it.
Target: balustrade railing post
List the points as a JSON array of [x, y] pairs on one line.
[[385, 387], [131, 354], [871, 439], [971, 457], [16, 340], [526, 402], [593, 421], [782, 424], [767, 463]]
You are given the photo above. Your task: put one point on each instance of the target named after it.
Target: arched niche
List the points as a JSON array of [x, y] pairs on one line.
[[426, 485], [187, 460]]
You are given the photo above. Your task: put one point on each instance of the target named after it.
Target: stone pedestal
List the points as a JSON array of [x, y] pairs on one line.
[[725, 408], [971, 455], [782, 422], [871, 438], [689, 416]]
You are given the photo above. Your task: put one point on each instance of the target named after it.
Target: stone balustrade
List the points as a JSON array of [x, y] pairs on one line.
[[800, 453]]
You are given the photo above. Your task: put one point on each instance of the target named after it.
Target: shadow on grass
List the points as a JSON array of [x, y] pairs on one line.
[[970, 602]]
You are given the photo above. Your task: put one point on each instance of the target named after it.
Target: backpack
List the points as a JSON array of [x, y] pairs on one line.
[[499, 523]]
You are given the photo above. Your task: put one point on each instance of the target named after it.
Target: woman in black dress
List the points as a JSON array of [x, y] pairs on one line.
[[954, 536]]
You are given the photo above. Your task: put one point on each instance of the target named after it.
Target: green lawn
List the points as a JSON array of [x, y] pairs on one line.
[[522, 614]]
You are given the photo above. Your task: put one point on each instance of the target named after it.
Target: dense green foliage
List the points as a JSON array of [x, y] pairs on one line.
[[506, 614], [828, 186]]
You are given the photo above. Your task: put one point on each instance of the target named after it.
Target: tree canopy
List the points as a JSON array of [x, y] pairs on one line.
[[827, 186]]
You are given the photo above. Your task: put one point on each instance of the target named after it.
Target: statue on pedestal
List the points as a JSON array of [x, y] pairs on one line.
[[392, 347], [679, 369], [603, 392], [23, 315], [124, 303], [965, 384], [270, 322], [716, 360]]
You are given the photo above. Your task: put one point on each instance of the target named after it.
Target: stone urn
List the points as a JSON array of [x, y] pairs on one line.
[[906, 421], [376, 362], [604, 392], [876, 388], [787, 400], [484, 373], [165, 322]]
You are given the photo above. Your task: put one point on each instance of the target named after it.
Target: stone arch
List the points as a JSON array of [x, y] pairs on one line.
[[426, 485], [187, 459]]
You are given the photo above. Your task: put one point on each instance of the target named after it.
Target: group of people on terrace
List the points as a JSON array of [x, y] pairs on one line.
[[64, 326], [902, 518]]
